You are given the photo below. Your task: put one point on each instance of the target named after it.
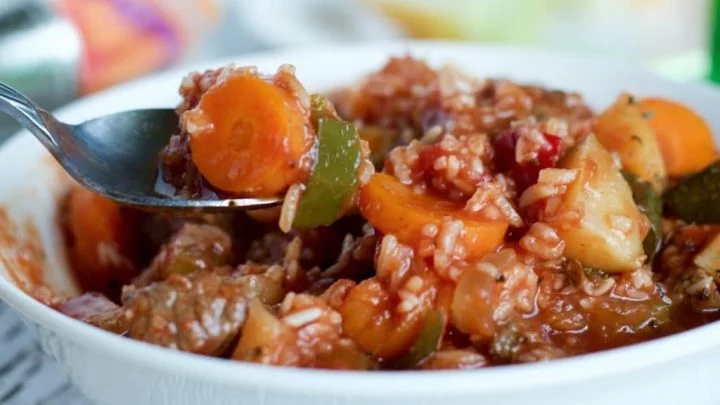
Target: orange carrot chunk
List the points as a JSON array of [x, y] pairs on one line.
[[248, 136], [370, 318], [685, 139], [102, 249], [393, 208]]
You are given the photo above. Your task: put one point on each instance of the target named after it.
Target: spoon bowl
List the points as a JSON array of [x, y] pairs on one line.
[[116, 155]]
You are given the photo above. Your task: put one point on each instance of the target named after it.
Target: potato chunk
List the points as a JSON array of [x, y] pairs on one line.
[[709, 257], [623, 128], [610, 232]]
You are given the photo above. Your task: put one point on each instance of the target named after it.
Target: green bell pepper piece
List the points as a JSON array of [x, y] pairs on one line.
[[333, 180], [427, 341], [648, 201]]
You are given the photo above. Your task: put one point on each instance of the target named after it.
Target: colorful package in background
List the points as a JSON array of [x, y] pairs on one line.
[[126, 38]]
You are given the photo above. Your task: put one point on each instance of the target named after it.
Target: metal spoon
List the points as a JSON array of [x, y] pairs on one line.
[[115, 155]]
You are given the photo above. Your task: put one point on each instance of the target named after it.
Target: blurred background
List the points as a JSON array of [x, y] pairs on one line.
[[58, 50]]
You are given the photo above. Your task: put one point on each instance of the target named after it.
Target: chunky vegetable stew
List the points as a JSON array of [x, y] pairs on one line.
[[431, 220]]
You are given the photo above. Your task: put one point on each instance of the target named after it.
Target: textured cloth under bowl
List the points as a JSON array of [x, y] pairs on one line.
[[27, 376]]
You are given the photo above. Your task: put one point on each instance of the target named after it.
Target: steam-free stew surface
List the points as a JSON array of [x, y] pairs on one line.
[[431, 220]]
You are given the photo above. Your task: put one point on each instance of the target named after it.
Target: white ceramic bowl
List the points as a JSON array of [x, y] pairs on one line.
[[112, 370]]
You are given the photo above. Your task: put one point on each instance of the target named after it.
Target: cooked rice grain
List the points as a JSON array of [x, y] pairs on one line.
[[290, 205]]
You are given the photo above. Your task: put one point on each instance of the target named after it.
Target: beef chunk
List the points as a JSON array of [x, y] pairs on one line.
[[193, 247], [95, 309], [520, 342], [507, 344], [200, 313]]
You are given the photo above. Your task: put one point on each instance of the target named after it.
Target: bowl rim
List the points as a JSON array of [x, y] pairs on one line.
[[362, 383]]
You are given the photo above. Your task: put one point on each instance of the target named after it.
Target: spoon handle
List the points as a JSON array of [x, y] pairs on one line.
[[29, 115]]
